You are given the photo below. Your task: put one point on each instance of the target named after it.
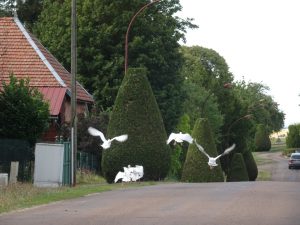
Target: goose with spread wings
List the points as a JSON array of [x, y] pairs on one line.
[[180, 137], [212, 161], [106, 142]]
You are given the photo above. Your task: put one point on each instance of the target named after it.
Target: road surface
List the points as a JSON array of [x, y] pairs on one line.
[[277, 166], [236, 203]]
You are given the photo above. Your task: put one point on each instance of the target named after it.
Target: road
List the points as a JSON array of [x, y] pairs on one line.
[[236, 203], [277, 166]]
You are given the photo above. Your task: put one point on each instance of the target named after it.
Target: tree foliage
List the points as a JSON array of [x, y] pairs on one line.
[[262, 139], [195, 167], [136, 113], [24, 114], [102, 25], [27, 11], [205, 73], [293, 137]]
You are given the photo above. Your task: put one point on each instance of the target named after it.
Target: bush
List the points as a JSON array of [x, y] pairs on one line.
[[293, 137], [237, 169], [250, 165], [195, 167], [136, 113], [262, 139], [24, 114]]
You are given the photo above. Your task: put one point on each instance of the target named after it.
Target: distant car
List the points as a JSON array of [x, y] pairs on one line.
[[294, 160]]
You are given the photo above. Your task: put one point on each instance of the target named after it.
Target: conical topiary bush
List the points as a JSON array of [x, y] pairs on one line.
[[136, 113], [195, 167], [237, 169], [250, 165], [262, 139]]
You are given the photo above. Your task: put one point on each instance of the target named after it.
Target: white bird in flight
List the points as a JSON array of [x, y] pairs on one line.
[[180, 137], [106, 142], [212, 161]]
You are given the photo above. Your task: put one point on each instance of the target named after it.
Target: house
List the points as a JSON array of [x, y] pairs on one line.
[[22, 54]]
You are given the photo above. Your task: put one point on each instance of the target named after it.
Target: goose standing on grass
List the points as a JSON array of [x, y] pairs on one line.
[[179, 138], [130, 174], [212, 161], [106, 142]]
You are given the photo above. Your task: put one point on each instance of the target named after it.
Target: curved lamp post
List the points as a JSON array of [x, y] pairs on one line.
[[128, 30]]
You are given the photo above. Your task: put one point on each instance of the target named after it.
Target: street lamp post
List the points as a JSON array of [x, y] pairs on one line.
[[128, 30]]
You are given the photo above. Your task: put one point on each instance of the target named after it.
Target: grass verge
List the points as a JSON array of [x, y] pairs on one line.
[[20, 196]]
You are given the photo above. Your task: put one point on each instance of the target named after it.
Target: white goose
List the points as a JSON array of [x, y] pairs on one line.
[[106, 142], [180, 137], [212, 161]]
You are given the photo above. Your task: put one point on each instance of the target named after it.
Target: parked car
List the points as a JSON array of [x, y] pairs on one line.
[[294, 160]]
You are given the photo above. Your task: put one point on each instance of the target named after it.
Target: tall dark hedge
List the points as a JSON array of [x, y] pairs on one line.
[[250, 165], [195, 167], [136, 113], [262, 139], [237, 169]]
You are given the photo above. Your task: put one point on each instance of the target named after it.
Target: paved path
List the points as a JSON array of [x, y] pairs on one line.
[[239, 203]]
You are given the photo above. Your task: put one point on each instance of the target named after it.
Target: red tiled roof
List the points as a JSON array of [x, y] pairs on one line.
[[55, 96], [22, 54]]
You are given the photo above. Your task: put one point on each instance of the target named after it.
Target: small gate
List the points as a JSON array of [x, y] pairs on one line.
[[67, 170]]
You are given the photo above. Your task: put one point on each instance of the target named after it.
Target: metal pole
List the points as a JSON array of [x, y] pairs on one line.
[[128, 29], [73, 92]]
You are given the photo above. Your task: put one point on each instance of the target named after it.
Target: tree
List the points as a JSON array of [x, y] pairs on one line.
[[238, 170], [293, 137], [195, 167], [136, 113], [205, 73], [102, 25], [27, 11], [24, 114], [262, 139]]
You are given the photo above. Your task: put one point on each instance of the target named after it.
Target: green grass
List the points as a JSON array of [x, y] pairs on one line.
[[19, 196], [263, 175]]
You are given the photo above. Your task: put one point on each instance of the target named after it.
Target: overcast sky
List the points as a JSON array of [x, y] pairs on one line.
[[259, 39]]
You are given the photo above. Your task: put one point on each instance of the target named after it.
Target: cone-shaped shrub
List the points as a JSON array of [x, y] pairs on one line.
[[136, 113], [262, 139], [250, 165], [237, 169], [195, 167]]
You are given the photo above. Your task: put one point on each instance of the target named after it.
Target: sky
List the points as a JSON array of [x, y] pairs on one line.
[[259, 39]]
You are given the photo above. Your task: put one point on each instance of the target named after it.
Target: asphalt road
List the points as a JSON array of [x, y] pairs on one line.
[[237, 203], [277, 166]]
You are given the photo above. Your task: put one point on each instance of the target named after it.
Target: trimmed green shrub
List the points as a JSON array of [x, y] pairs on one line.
[[195, 167], [237, 169], [293, 137], [136, 113], [250, 165], [262, 139]]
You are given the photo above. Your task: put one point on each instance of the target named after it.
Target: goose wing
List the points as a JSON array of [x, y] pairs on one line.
[[186, 137], [95, 132], [120, 175], [201, 149], [227, 151], [171, 137], [121, 138]]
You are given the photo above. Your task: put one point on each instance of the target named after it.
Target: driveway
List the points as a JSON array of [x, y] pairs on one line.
[[236, 203]]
